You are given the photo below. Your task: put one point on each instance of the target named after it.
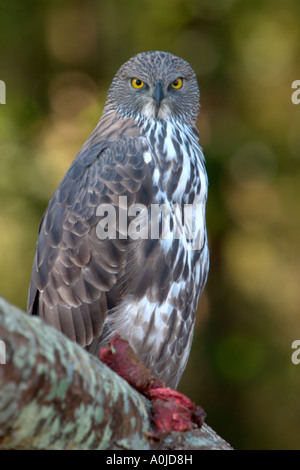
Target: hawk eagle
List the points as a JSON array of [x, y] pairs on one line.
[[122, 246]]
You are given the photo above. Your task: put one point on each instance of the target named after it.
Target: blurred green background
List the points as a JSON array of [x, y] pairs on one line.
[[57, 59]]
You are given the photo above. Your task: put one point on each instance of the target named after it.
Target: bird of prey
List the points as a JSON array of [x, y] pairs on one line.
[[102, 266]]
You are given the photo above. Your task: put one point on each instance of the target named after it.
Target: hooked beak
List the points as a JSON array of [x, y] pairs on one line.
[[158, 93]]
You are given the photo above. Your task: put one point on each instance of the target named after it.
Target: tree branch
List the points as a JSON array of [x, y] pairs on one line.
[[54, 395]]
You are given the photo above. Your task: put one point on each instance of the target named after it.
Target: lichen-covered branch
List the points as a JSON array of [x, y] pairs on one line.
[[54, 395]]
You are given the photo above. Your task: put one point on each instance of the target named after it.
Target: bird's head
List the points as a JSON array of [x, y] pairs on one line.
[[155, 85]]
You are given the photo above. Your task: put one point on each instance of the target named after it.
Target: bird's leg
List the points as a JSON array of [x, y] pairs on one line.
[[171, 410]]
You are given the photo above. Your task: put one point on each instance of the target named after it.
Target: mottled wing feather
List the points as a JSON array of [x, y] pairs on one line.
[[74, 271]]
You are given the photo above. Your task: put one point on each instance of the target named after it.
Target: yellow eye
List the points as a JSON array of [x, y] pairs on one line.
[[177, 83], [137, 83]]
